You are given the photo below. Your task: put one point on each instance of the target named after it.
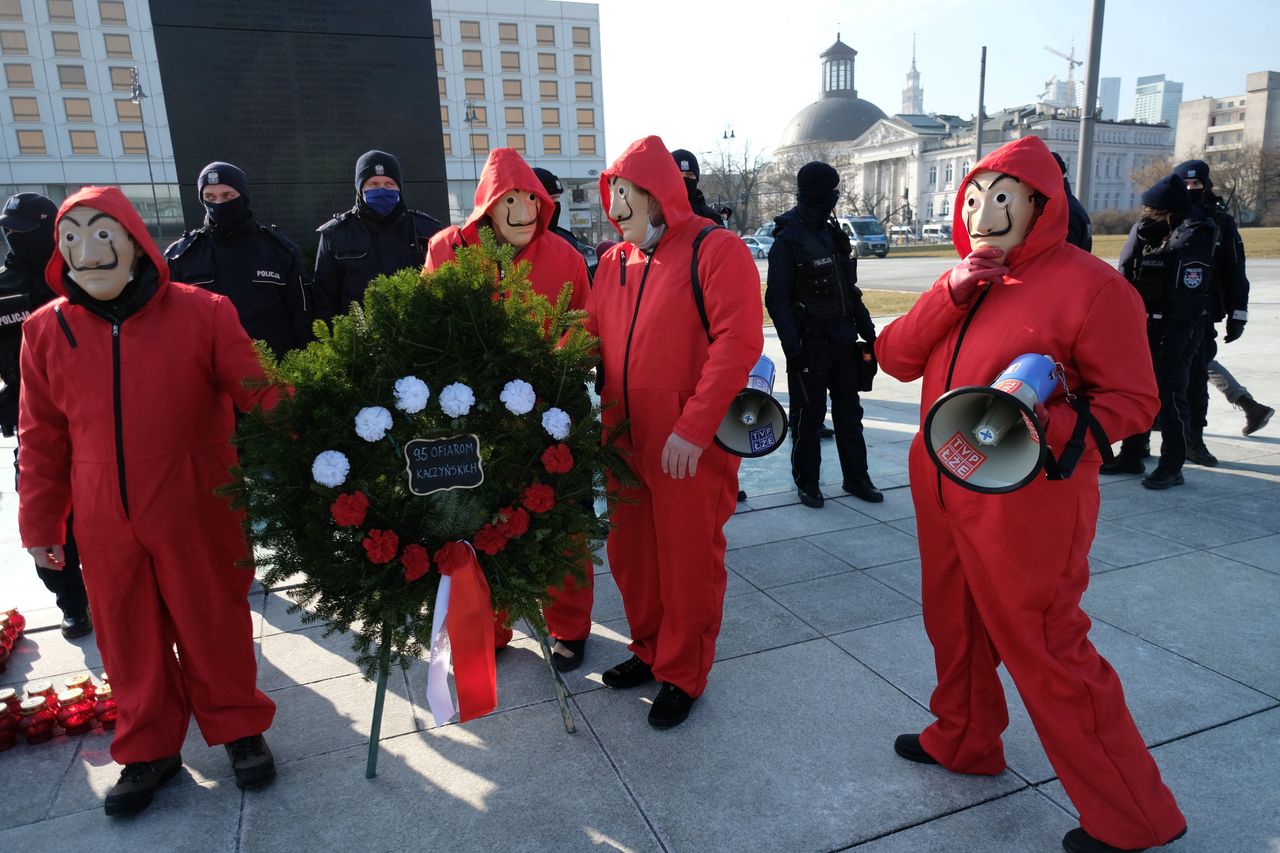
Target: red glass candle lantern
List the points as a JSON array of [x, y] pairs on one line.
[[8, 632], [37, 721], [75, 711], [82, 681], [45, 689], [8, 727], [105, 711], [16, 619], [10, 698]]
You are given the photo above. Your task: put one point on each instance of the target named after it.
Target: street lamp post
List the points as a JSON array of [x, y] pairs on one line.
[[135, 96], [470, 117]]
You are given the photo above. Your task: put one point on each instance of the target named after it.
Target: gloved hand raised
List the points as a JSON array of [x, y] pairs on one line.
[[1235, 328], [978, 266]]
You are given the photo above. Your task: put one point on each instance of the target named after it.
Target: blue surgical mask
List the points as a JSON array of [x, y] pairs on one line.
[[381, 201]]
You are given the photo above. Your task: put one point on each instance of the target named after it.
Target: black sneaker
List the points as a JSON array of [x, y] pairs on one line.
[[1162, 478], [567, 655], [825, 431], [1198, 454], [252, 760], [670, 707], [908, 746], [629, 673], [1079, 841], [862, 488], [813, 499], [138, 783], [76, 623]]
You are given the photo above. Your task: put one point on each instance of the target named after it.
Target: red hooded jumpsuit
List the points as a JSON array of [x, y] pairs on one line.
[[552, 264], [132, 423], [667, 545], [1003, 574]]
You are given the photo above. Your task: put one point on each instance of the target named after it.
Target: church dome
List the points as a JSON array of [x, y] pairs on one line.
[[839, 115]]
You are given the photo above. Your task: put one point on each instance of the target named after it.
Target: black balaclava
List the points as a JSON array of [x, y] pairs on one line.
[[28, 226], [1198, 170], [686, 162], [225, 215], [1167, 194], [816, 191], [552, 185]]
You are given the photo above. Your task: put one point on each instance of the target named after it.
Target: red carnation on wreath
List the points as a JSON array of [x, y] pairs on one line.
[[349, 510], [452, 556], [557, 459], [489, 539], [416, 562], [516, 523], [538, 498], [381, 546]]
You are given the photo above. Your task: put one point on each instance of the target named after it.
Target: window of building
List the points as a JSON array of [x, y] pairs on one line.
[[72, 77], [586, 117], [933, 176], [546, 35], [509, 33], [582, 37], [479, 116], [513, 116], [512, 90], [551, 143], [965, 169], [111, 12], [121, 79], [444, 116], [62, 11], [439, 59], [510, 60], [516, 141], [118, 46], [479, 143], [586, 144], [436, 31], [31, 142], [66, 44], [25, 109], [448, 143], [77, 109], [473, 87], [134, 142], [443, 87], [582, 63], [11, 10], [929, 211], [14, 42], [946, 207], [547, 63], [19, 76], [469, 31], [472, 60], [83, 141], [583, 91], [550, 117], [951, 173], [127, 112], [548, 90]]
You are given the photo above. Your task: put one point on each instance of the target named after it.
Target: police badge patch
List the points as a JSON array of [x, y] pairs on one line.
[[1193, 276], [213, 178], [379, 169]]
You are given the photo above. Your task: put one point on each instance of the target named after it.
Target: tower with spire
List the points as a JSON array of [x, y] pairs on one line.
[[913, 95]]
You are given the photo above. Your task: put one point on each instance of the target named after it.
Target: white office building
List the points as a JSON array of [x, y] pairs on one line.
[[1214, 127], [523, 74], [1156, 101], [1109, 98]]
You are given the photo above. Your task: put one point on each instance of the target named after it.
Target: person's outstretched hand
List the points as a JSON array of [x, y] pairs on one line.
[[978, 266]]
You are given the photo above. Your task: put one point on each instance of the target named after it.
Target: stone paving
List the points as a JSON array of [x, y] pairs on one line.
[[821, 662]]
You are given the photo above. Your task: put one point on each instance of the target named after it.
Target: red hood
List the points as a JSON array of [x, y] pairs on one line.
[[109, 200], [648, 164], [504, 171], [1027, 159]]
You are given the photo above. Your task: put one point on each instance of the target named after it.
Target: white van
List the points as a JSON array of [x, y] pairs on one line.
[[936, 232]]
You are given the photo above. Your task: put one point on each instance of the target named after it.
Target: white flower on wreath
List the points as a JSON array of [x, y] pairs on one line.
[[457, 399], [517, 395], [330, 468], [372, 423], [556, 423], [412, 394]]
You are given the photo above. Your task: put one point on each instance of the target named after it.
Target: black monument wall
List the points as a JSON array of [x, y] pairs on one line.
[[293, 91]]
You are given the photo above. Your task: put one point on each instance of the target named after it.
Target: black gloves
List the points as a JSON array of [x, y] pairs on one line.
[[1235, 328]]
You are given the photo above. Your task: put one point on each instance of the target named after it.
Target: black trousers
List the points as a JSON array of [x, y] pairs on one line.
[[1173, 351], [827, 367], [1198, 384], [67, 585]]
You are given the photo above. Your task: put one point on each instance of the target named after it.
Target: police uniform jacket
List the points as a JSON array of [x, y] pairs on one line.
[[1173, 272], [1229, 298], [22, 290], [258, 269]]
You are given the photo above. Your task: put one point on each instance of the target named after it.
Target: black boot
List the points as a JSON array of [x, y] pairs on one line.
[[252, 760], [1123, 464], [1256, 415], [908, 746], [670, 707], [1198, 454], [76, 622], [862, 487], [812, 498], [1162, 478], [138, 784]]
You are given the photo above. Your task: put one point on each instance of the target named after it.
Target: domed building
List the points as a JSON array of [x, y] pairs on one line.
[[839, 115]]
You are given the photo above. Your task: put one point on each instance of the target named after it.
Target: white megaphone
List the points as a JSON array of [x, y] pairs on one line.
[[755, 424], [988, 438]]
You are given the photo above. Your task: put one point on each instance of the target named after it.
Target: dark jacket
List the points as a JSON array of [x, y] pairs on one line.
[[1173, 270], [22, 290], [358, 245], [1079, 228], [788, 252], [1230, 296], [259, 270]]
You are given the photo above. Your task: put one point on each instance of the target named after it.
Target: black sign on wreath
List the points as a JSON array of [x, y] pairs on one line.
[[439, 464]]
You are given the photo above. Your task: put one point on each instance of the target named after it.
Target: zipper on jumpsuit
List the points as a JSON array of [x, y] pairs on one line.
[[635, 315], [951, 369], [119, 412]]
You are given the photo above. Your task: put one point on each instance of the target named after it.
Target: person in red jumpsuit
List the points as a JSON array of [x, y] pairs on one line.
[[672, 379], [129, 388], [1003, 573], [511, 200]]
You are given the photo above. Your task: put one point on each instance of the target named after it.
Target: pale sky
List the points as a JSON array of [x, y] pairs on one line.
[[687, 69]]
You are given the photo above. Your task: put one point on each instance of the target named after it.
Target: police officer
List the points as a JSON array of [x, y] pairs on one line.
[[1169, 259], [688, 165], [255, 266], [551, 183], [1228, 300], [378, 236], [1079, 228], [818, 313], [27, 221]]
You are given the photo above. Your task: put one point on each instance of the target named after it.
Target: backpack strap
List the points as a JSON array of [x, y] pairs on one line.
[[1063, 467], [697, 285]]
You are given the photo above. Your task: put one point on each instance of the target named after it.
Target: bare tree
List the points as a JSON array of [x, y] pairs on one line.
[[732, 178], [1156, 168]]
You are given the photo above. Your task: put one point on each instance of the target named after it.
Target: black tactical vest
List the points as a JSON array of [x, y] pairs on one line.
[[824, 282]]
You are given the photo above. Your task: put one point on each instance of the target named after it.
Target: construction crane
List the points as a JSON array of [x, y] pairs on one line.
[[1072, 63]]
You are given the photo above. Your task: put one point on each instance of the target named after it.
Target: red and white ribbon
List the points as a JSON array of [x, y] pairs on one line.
[[462, 636]]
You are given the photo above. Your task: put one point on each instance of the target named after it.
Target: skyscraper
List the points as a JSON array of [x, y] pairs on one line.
[[1109, 98], [1157, 100]]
